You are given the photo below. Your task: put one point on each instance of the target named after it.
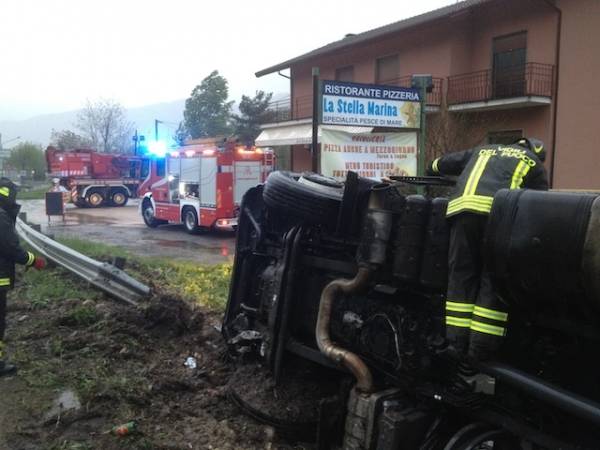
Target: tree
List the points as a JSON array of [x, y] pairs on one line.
[[29, 158], [254, 111], [451, 131], [181, 134], [207, 111], [67, 139], [104, 123]]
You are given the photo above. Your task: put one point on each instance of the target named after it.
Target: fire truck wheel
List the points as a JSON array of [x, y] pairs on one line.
[[94, 198], [148, 215], [190, 221], [311, 197], [119, 197]]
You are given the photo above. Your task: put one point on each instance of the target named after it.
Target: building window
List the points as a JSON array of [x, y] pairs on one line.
[[505, 137], [508, 71], [345, 73], [386, 69]]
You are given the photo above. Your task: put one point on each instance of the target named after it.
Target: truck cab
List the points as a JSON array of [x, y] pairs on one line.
[[202, 184]]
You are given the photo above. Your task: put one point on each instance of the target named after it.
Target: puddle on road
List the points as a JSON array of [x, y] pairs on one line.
[[222, 250], [67, 400], [72, 220]]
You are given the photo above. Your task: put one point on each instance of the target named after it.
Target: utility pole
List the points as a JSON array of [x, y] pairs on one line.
[[156, 122], [135, 143]]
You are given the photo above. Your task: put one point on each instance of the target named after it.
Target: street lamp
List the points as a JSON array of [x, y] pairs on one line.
[[4, 154], [10, 140]]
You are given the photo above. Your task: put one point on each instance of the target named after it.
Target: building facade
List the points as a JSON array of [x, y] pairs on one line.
[[502, 69]]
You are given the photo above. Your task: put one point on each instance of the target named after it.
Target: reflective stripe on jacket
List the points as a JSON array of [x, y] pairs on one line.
[[483, 171], [11, 252]]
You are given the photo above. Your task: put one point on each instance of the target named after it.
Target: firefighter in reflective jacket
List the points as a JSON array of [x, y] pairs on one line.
[[476, 318], [10, 253]]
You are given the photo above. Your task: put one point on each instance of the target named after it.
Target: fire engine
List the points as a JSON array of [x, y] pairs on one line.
[[98, 179], [202, 183]]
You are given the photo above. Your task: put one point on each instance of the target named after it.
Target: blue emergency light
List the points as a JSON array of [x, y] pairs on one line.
[[157, 148]]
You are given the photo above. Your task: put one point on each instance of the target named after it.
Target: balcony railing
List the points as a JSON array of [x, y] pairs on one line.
[[434, 98], [286, 109], [531, 79]]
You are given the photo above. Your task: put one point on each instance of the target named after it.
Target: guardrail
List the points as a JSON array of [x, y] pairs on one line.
[[104, 276]]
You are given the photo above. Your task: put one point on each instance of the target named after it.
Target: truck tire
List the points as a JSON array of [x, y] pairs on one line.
[[94, 198], [190, 221], [310, 197], [119, 197], [148, 215], [80, 203]]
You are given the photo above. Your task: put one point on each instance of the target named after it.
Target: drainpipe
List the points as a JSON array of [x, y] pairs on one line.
[[291, 111], [557, 66]]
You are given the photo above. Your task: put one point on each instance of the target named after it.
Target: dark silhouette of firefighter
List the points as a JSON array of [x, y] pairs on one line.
[[476, 318], [11, 253]]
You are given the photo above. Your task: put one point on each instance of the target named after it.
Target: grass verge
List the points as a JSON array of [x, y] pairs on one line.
[[206, 285], [33, 194]]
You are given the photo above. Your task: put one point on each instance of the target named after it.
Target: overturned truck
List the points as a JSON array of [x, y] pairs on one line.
[[337, 307]]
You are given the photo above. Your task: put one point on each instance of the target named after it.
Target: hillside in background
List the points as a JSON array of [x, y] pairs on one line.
[[37, 129]]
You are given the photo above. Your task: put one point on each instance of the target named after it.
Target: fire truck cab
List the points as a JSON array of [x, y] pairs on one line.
[[201, 184]]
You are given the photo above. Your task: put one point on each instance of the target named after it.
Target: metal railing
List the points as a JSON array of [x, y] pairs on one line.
[[288, 109], [104, 276], [531, 79]]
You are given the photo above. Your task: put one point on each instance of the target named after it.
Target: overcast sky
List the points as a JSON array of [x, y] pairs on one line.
[[55, 54]]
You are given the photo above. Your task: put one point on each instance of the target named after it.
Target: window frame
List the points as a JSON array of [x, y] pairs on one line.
[[516, 132], [343, 68], [377, 68]]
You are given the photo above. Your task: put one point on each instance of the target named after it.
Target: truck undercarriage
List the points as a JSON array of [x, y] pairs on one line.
[[337, 303]]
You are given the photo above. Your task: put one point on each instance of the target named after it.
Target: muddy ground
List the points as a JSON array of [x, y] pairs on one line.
[[88, 363], [124, 227]]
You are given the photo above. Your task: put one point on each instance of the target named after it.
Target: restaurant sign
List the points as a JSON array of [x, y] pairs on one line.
[[371, 155], [369, 105]]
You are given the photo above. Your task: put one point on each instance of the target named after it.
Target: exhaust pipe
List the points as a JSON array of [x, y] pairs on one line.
[[371, 253], [364, 379]]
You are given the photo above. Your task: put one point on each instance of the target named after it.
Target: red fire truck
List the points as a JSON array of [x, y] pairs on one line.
[[202, 183], [99, 179]]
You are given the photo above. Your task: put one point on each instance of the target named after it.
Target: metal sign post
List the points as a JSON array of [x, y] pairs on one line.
[[315, 120], [424, 83]]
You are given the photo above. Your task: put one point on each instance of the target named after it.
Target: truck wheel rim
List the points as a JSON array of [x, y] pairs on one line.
[[149, 214], [118, 198], [95, 199], [190, 221]]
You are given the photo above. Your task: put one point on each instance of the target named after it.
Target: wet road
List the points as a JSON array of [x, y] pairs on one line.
[[125, 228]]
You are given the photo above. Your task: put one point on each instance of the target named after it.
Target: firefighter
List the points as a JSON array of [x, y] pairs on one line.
[[476, 318], [10, 253]]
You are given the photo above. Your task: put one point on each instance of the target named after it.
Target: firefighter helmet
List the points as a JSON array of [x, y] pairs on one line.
[[535, 145], [8, 192]]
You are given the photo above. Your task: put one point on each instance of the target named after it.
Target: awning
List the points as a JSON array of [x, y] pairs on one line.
[[299, 134]]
